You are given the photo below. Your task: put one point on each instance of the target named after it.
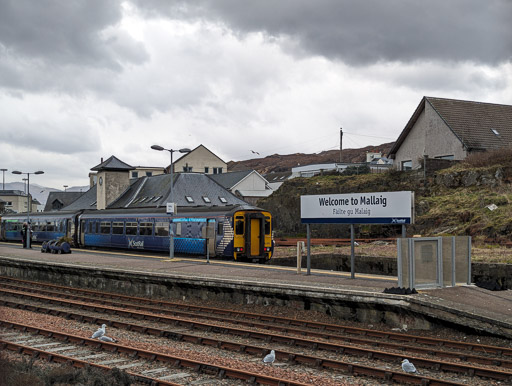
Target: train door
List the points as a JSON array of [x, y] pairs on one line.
[[83, 224], [255, 236]]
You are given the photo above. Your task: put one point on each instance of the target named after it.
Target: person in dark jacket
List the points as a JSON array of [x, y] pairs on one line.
[[24, 234]]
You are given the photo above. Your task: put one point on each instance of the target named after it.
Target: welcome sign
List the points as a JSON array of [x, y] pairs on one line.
[[358, 208]]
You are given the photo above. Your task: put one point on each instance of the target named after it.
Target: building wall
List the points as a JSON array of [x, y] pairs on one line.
[[251, 182], [142, 171], [18, 204], [198, 160], [431, 137], [112, 185]]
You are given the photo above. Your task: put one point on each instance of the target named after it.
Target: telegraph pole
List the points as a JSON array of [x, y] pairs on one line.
[[341, 141]]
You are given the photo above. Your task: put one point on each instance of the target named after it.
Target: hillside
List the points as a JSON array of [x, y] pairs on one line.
[[281, 163], [452, 201]]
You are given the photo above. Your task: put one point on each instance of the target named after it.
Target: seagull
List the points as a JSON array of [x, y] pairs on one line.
[[255, 152], [270, 358], [408, 367], [99, 332], [105, 338]]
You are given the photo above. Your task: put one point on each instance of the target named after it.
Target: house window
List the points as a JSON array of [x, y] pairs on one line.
[[448, 157], [206, 169], [206, 199], [149, 174], [217, 170], [223, 200], [135, 174], [189, 199], [496, 132], [406, 165], [187, 168]]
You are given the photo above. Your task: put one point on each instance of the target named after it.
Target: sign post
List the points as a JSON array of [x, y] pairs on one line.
[[171, 209], [357, 208]]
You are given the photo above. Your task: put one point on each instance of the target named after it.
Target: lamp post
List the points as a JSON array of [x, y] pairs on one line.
[[24, 185], [171, 230], [3, 178], [28, 200], [65, 187]]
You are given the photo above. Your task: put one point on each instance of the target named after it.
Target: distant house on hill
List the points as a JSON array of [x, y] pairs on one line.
[[451, 129], [249, 184]]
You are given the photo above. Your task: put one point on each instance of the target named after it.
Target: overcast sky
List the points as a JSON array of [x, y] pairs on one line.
[[85, 79]]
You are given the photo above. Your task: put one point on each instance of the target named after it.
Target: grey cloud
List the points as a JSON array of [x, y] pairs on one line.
[[56, 41], [366, 31], [69, 136]]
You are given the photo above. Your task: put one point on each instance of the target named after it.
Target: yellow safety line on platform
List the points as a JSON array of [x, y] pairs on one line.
[[277, 267]]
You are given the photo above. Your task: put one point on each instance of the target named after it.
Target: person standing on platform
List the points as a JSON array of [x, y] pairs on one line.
[[24, 234]]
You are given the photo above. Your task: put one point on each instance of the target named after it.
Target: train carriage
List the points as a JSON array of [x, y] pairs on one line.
[[44, 226], [241, 232]]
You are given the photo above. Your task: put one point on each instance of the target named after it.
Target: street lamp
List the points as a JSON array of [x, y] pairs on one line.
[[28, 200], [3, 178], [65, 187], [171, 230], [24, 185]]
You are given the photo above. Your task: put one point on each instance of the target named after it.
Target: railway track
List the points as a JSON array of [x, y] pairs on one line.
[[80, 351], [324, 340]]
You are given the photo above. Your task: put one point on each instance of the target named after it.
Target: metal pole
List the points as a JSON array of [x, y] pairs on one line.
[[171, 229], [28, 210], [309, 251], [404, 232], [352, 256]]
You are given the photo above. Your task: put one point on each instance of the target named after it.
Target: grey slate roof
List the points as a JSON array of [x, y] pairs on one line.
[[12, 193], [65, 198], [86, 201], [112, 163], [230, 179], [151, 192], [471, 122]]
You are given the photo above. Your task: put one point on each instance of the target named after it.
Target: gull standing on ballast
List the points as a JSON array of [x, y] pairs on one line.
[[270, 358], [408, 367], [99, 332]]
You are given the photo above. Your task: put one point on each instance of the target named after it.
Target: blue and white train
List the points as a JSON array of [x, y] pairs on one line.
[[241, 232]]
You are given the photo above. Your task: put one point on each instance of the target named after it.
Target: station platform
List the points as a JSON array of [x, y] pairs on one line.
[[361, 298]]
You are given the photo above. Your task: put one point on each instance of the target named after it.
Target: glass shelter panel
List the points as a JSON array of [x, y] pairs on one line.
[[463, 260], [448, 261], [425, 254]]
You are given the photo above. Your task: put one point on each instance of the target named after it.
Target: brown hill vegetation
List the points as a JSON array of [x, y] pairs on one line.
[[282, 163]]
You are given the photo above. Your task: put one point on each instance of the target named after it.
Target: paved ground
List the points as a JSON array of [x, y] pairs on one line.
[[470, 300]]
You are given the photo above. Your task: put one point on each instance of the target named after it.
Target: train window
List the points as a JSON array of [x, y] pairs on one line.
[[117, 228], [105, 227], [162, 229], [50, 226], [131, 228], [239, 227], [146, 229], [220, 228], [178, 229], [267, 225], [35, 227]]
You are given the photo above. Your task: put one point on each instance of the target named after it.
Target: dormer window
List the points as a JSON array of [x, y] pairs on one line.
[[496, 133]]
